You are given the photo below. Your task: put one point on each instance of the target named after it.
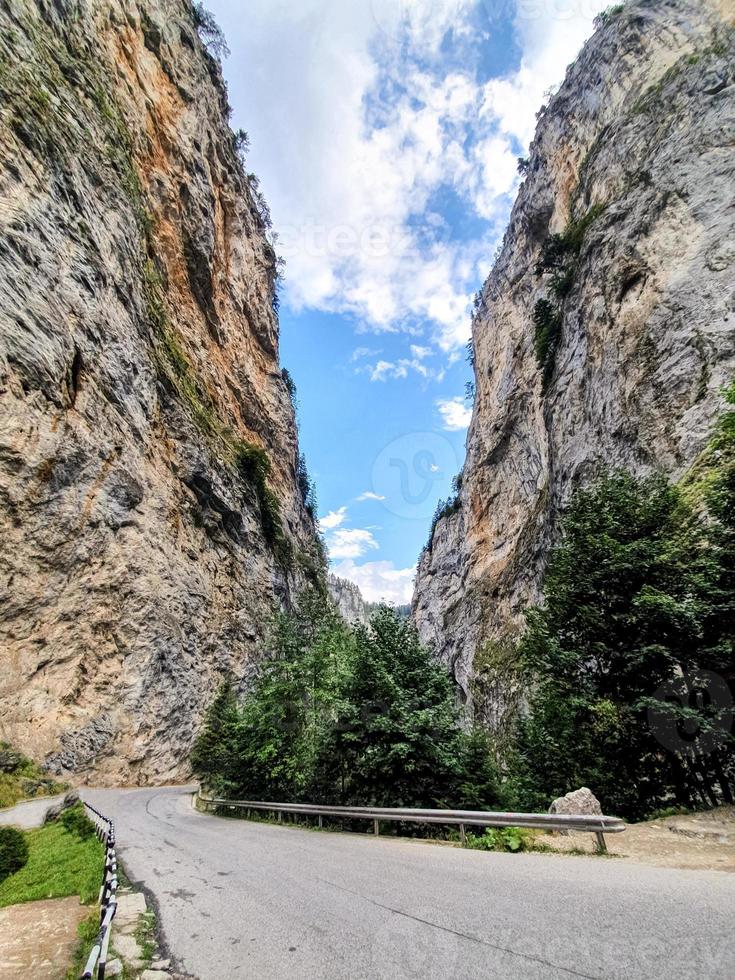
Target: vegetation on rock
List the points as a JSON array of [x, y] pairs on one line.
[[21, 778]]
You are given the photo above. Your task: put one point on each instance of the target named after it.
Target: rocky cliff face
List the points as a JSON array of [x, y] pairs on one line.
[[607, 326], [150, 509], [349, 601]]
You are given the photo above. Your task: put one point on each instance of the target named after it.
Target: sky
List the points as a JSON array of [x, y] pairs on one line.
[[385, 135]]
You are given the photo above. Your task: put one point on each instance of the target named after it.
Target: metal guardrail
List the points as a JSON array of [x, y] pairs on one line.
[[97, 960], [598, 825]]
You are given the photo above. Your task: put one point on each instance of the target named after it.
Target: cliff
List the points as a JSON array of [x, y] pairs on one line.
[[152, 506], [606, 329], [348, 599]]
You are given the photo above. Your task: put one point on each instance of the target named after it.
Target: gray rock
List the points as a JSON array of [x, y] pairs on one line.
[[114, 968], [135, 571], [349, 601], [10, 760], [56, 809], [648, 333], [581, 802]]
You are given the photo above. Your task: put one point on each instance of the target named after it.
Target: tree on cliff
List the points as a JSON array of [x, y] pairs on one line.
[[629, 656]]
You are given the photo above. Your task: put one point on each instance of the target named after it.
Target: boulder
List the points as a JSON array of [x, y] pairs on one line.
[[10, 760], [56, 809], [581, 802]]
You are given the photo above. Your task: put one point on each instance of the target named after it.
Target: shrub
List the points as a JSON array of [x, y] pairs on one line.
[[13, 851], [511, 839], [254, 467], [547, 321], [75, 821]]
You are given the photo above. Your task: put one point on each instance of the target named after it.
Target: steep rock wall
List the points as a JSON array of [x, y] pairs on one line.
[[634, 159], [141, 400]]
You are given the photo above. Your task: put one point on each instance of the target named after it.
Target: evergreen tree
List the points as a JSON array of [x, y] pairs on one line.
[[632, 601], [212, 757]]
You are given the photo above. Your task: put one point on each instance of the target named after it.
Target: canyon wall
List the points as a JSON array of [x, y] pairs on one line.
[[621, 246], [152, 508]]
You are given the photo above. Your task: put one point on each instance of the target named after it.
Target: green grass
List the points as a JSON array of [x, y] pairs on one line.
[[28, 780], [87, 932], [60, 864]]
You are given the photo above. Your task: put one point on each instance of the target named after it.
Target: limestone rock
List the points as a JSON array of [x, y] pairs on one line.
[[582, 802], [138, 368], [349, 601], [635, 150]]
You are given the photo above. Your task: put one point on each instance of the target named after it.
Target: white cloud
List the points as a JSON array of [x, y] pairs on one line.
[[350, 543], [333, 519], [361, 94], [550, 39], [420, 353], [455, 413], [379, 580], [369, 495]]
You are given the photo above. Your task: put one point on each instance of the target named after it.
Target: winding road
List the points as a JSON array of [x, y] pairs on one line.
[[248, 900]]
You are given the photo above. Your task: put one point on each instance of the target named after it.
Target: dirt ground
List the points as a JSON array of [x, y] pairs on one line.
[[38, 939], [699, 841]]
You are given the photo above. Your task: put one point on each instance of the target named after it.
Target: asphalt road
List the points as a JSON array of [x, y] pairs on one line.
[[29, 814], [247, 900]]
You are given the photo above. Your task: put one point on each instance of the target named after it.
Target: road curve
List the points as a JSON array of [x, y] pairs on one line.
[[247, 900]]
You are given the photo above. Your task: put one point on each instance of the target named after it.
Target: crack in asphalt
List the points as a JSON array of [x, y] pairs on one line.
[[461, 935]]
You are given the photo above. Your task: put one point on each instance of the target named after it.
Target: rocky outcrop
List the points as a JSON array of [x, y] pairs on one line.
[[349, 601], [606, 329], [150, 509]]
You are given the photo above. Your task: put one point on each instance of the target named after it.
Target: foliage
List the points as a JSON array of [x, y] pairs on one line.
[[445, 508], [254, 467], [13, 851], [306, 486], [21, 778], [345, 715], [524, 165], [75, 820], [547, 321], [470, 348], [289, 383], [241, 145], [605, 16], [638, 593], [59, 864], [469, 391], [210, 32], [513, 839]]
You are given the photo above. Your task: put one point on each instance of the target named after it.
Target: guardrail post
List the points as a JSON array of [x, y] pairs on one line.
[[280, 816], [320, 821], [601, 845], [376, 827]]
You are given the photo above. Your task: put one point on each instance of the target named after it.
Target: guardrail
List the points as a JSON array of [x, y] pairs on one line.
[[598, 825], [97, 960]]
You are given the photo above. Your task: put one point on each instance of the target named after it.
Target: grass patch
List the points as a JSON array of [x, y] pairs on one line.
[[87, 932], [59, 864]]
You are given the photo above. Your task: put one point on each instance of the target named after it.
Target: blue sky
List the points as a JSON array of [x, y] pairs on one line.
[[385, 135]]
